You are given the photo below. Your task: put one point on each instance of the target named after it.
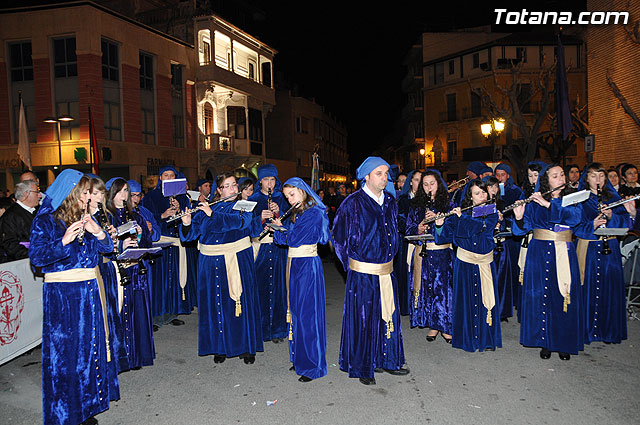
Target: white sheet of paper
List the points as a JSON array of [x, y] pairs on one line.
[[611, 231], [243, 205], [575, 198], [193, 194]]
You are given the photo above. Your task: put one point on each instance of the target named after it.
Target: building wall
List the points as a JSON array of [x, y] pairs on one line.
[[611, 50]]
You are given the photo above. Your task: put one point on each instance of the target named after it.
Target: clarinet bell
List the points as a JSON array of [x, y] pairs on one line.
[[125, 279], [499, 246], [606, 250], [423, 252], [142, 268]]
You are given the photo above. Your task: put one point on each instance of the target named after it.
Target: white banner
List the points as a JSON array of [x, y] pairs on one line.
[[20, 309]]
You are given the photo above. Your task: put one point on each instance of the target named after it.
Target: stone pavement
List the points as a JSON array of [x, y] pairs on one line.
[[445, 386]]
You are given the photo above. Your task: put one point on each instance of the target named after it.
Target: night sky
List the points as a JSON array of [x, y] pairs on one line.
[[350, 59]]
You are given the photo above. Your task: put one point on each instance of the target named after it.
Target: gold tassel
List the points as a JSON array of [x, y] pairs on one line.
[[238, 308], [183, 297], [388, 331], [108, 353], [521, 277], [288, 316], [290, 331], [567, 301], [489, 321]]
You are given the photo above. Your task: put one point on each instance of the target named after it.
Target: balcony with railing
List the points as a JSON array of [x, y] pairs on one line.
[[448, 116], [218, 143]]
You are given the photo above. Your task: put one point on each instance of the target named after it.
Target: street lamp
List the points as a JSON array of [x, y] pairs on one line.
[[58, 120], [491, 129]]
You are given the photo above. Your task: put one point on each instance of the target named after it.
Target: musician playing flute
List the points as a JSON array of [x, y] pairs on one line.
[[431, 276], [228, 303], [600, 272], [270, 258], [77, 377], [552, 313], [476, 322], [365, 240]]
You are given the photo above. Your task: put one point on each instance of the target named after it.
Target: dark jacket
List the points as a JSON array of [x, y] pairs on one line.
[[16, 228]]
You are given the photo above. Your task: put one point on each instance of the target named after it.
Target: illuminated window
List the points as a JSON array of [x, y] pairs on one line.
[[208, 119]]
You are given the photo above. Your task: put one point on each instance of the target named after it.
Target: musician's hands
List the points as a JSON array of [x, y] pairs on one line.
[[630, 207], [275, 208], [538, 199], [92, 227], [277, 222], [204, 206], [186, 219], [429, 215], [422, 228], [457, 211], [599, 221], [266, 214], [150, 226], [439, 222], [518, 211], [72, 232], [129, 243], [174, 206], [201, 198], [500, 216], [608, 212], [138, 229]]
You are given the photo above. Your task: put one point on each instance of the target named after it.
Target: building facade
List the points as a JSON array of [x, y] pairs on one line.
[[454, 63], [296, 129]]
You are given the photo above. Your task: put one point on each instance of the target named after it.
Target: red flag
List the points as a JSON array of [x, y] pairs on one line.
[[95, 157]]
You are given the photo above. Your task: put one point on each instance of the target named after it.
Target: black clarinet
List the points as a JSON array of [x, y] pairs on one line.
[[428, 205], [606, 250], [136, 210], [499, 246], [81, 234], [142, 269], [103, 218]]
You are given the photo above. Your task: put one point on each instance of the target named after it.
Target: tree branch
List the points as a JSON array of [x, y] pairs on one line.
[[623, 100]]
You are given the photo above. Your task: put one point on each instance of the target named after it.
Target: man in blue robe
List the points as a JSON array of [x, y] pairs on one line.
[[270, 259], [365, 233]]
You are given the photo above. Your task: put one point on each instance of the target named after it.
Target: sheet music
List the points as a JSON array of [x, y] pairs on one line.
[[243, 205], [575, 198]]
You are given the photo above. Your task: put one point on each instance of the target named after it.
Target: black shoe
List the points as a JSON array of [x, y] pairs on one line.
[[505, 320], [91, 421], [432, 338], [155, 328], [489, 349], [564, 356], [177, 322], [219, 359], [293, 368], [277, 340], [303, 378], [448, 340], [368, 381], [249, 359], [400, 372], [545, 354]]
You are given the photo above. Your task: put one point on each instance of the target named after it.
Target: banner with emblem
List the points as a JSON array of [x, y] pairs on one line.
[[20, 309]]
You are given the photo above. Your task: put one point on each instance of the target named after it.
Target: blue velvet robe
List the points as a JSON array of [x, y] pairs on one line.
[[603, 289], [308, 348], [166, 293], [507, 261], [471, 331], [543, 323], [219, 330], [435, 301], [365, 231], [136, 317], [77, 380], [400, 261], [271, 268]]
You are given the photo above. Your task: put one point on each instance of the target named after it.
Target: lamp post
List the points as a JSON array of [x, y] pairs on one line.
[[491, 130], [58, 120]]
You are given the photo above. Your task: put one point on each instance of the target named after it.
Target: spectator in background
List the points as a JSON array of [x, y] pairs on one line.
[[342, 194], [349, 191], [331, 204], [29, 176], [320, 193], [572, 171], [630, 187], [614, 178], [402, 177], [245, 187], [5, 203], [204, 187], [16, 221]]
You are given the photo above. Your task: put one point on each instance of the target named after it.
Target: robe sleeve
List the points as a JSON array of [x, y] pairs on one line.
[[45, 248], [444, 234], [345, 227]]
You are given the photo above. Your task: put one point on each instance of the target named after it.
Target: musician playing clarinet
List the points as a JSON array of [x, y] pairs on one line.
[[551, 317], [431, 270], [600, 260], [476, 323], [271, 259]]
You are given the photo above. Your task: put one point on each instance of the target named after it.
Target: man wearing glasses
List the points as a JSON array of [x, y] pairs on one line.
[[16, 221]]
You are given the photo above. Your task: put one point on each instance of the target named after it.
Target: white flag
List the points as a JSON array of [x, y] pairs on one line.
[[23, 138]]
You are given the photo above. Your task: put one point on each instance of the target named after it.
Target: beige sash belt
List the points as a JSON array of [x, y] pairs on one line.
[[384, 271], [182, 269], [522, 258], [563, 267], [79, 275], [483, 261], [417, 266], [255, 243], [230, 251], [301, 251], [581, 250]]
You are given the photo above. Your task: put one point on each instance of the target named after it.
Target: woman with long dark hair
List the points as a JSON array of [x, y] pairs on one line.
[[552, 314], [431, 276], [77, 378], [307, 227], [600, 272], [135, 312], [228, 305], [476, 322]]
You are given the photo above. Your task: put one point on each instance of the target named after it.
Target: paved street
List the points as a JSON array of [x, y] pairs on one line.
[[511, 385]]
